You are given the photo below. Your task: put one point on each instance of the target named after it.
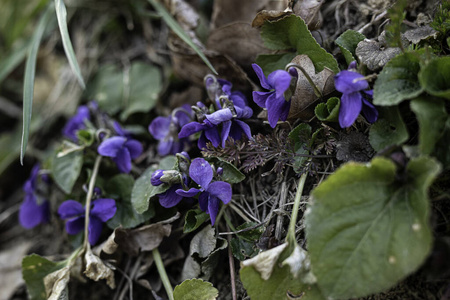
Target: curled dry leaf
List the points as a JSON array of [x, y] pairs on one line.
[[239, 40], [145, 238], [225, 12], [270, 15], [309, 11], [304, 94], [96, 269], [56, 284]]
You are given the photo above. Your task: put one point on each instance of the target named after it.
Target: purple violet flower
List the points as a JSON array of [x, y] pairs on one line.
[[121, 150], [165, 129], [34, 209], [277, 83], [76, 123], [231, 107], [201, 173], [354, 91], [102, 210]]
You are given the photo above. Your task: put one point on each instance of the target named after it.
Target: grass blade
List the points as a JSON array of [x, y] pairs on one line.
[[30, 72], [180, 32], [61, 14]]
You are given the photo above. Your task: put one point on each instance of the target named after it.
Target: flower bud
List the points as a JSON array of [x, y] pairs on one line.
[[156, 177]]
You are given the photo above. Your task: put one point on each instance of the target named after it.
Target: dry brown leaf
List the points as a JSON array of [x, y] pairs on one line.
[[56, 284], [226, 12], [309, 11], [145, 238], [304, 95], [184, 13], [269, 15], [240, 41], [422, 33], [96, 269]]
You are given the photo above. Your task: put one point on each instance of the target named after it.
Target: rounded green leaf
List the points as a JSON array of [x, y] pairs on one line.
[[195, 289], [347, 42], [66, 169], [328, 112], [435, 77], [366, 229], [398, 80], [388, 130]]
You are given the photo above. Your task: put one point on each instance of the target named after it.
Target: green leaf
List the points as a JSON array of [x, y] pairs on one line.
[[145, 84], [253, 234], [107, 89], [194, 218], [442, 148], [28, 83], [273, 62], [86, 137], [66, 169], [432, 116], [120, 187], [61, 14], [303, 140], [230, 173], [347, 42], [388, 130], [328, 112], [365, 226], [195, 289], [291, 32], [398, 80], [34, 269], [172, 23], [435, 77], [143, 190], [243, 249]]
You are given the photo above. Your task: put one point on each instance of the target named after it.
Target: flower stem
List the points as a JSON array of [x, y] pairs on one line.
[[290, 238], [88, 200], [317, 92], [162, 273]]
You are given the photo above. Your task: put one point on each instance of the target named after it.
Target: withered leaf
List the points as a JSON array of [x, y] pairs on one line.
[[269, 15], [304, 94], [145, 238], [309, 11], [239, 40], [96, 269], [226, 12], [265, 261], [56, 284]]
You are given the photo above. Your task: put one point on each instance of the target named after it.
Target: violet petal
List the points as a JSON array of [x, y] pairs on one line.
[[159, 127], [70, 208], [95, 230], [170, 198], [280, 80], [123, 160], [201, 172], [104, 209], [262, 79], [260, 98], [111, 146], [75, 225], [221, 190], [351, 105], [213, 208], [134, 147], [347, 82]]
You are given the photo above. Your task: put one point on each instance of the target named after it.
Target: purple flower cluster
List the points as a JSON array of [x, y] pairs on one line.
[[354, 91], [278, 82], [74, 212], [122, 149], [225, 121], [165, 130], [35, 209], [210, 192]]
